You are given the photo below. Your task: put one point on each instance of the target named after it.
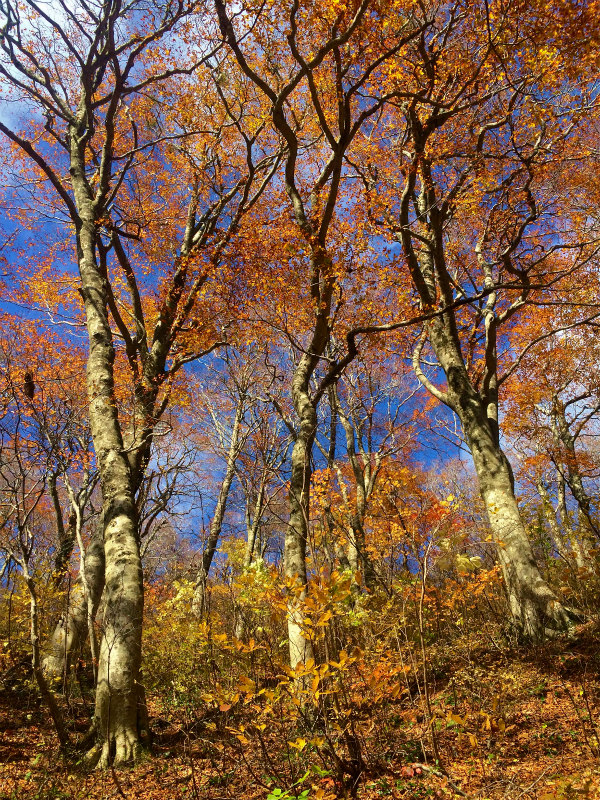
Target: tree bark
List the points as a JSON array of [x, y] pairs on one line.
[[252, 527], [84, 598], [550, 515], [66, 536], [358, 557], [300, 645], [45, 691], [582, 556], [534, 606], [253, 521], [117, 689], [216, 524], [587, 531]]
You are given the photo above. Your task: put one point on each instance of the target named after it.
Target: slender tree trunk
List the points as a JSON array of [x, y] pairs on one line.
[[38, 672], [296, 536], [358, 558], [253, 526], [582, 547], [550, 515], [300, 645], [84, 598], [582, 556], [252, 529], [342, 548], [338, 553], [216, 524], [66, 536], [588, 532]]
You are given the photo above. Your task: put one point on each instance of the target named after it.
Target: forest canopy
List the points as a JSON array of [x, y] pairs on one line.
[[299, 399]]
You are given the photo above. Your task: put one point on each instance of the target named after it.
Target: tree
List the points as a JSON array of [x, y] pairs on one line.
[[106, 67], [231, 442], [52, 418], [468, 200], [371, 403], [553, 402], [332, 86], [33, 430]]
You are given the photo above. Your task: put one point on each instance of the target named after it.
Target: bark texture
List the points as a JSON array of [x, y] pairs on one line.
[[534, 606], [364, 477], [253, 522], [584, 540], [558, 538], [120, 650], [65, 534], [38, 671], [300, 646], [83, 600], [216, 524], [582, 556], [305, 406], [423, 226]]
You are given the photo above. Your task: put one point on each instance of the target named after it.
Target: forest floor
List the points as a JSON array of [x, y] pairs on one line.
[[518, 725]]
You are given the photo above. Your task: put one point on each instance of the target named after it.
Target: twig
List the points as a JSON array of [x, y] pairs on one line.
[[537, 780], [439, 774]]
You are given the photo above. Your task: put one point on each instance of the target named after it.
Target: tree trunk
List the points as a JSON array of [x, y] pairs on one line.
[[253, 524], [117, 694], [533, 604], [252, 528], [358, 558], [582, 556], [66, 536], [38, 672], [300, 645], [84, 597], [216, 525], [550, 515], [588, 531], [116, 716]]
